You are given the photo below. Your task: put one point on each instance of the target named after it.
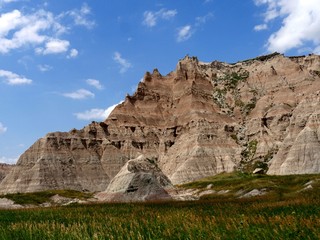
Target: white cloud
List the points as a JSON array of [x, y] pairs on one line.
[[73, 53], [44, 67], [260, 27], [300, 23], [184, 33], [80, 16], [54, 46], [11, 78], [8, 160], [151, 18], [79, 94], [272, 11], [41, 30], [3, 129], [95, 83], [96, 113], [18, 30], [9, 21], [124, 64]]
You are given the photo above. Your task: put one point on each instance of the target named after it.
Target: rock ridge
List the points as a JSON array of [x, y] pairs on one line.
[[199, 120]]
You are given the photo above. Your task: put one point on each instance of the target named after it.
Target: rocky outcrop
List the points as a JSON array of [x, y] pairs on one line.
[[139, 179], [301, 150], [8, 204], [61, 161], [4, 170], [199, 120]]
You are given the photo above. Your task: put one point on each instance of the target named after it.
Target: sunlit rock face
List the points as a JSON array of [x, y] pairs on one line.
[[139, 180], [4, 170], [199, 120]]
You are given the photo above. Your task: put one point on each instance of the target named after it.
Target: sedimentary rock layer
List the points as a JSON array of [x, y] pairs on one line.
[[139, 179], [199, 120], [4, 170]]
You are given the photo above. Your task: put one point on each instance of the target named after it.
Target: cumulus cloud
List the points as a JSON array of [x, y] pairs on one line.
[[3, 129], [300, 23], [79, 94], [151, 18], [184, 33], [124, 64], [41, 30], [94, 83], [95, 113], [54, 46], [18, 30], [11, 78]]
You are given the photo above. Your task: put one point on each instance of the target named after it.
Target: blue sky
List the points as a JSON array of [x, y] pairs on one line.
[[65, 63]]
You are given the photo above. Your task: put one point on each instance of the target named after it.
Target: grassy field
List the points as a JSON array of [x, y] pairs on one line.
[[294, 214]]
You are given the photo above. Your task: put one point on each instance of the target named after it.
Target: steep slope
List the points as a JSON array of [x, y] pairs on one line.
[[4, 170], [61, 161], [199, 120]]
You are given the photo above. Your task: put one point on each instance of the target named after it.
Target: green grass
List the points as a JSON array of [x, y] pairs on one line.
[[293, 216], [242, 219], [281, 186]]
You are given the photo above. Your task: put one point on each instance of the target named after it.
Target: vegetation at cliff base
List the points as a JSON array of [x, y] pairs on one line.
[[36, 198], [277, 187], [293, 215]]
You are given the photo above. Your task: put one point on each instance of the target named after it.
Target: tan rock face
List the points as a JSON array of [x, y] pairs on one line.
[[61, 161], [199, 120], [4, 170], [139, 179]]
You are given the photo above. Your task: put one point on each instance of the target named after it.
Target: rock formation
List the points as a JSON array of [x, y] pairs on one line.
[[4, 170], [199, 120], [139, 179], [61, 161]]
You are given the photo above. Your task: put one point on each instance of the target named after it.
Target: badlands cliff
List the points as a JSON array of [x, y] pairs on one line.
[[199, 120], [4, 170]]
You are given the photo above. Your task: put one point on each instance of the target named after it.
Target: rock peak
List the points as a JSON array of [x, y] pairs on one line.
[[199, 120]]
